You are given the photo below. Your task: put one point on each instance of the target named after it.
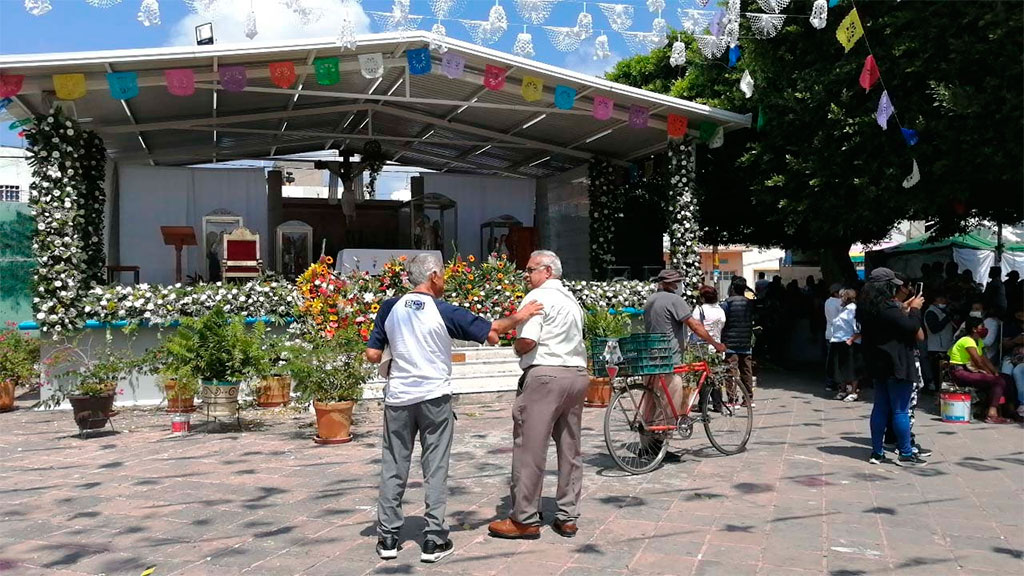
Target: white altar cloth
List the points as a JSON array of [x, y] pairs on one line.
[[372, 260]]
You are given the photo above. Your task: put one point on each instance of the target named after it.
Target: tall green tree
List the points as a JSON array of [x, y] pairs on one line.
[[818, 173]]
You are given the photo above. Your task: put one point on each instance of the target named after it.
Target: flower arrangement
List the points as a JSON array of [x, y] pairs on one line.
[[66, 197], [71, 372], [19, 356], [605, 209], [330, 370], [610, 295], [683, 230], [491, 289]]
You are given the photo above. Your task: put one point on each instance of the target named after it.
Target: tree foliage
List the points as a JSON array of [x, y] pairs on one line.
[[820, 173]]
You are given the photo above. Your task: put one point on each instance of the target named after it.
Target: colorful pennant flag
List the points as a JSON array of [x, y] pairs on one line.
[[181, 82], [747, 84], [869, 74], [914, 178], [326, 70], [371, 65], [885, 110], [833, 3], [734, 56], [419, 61], [69, 86], [10, 84], [282, 74], [677, 125], [850, 30], [761, 119], [123, 85], [453, 64], [494, 77], [19, 123], [532, 88], [910, 136], [638, 116], [707, 131], [603, 107], [718, 138], [565, 97], [233, 78]]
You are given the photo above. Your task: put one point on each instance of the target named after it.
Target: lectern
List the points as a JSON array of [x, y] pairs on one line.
[[178, 236]]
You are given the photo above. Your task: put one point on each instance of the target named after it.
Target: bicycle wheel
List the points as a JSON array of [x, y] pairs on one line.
[[727, 421], [631, 413]]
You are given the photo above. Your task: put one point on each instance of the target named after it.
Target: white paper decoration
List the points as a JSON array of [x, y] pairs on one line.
[[643, 42], [655, 6], [914, 178], [773, 6], [534, 11], [102, 3], [490, 31], [601, 49], [250, 25], [732, 10], [446, 8], [203, 7], [436, 41], [695, 21], [524, 45], [732, 33], [747, 84], [659, 26], [678, 56], [371, 65], [149, 13], [703, 3], [711, 46], [400, 13], [620, 16], [37, 7], [718, 139], [819, 14], [562, 38], [306, 14], [584, 25], [766, 25], [347, 34]]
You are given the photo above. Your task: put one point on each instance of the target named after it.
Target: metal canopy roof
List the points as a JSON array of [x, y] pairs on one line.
[[430, 121]]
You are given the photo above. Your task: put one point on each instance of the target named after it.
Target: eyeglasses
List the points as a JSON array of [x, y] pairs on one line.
[[531, 270]]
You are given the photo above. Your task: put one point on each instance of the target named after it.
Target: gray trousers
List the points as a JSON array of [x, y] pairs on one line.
[[434, 421], [548, 406]]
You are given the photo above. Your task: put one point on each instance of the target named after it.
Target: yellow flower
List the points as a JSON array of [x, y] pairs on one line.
[[470, 277], [374, 307], [471, 258]]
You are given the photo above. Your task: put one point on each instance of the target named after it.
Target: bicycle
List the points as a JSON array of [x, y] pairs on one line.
[[642, 416]]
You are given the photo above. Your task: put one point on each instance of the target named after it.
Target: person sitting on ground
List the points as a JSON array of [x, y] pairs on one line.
[[972, 368], [845, 364]]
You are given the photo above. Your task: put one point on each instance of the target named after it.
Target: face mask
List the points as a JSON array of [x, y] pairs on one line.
[[940, 306], [977, 314], [982, 332]]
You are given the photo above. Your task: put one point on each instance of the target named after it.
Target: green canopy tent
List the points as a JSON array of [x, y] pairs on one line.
[[974, 251]]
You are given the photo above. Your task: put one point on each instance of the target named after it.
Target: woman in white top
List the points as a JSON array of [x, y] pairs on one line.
[[710, 313], [845, 364]]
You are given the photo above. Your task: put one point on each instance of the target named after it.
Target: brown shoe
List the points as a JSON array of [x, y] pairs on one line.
[[512, 530], [564, 529]]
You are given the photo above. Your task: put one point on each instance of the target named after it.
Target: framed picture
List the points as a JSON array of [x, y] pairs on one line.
[[215, 226], [294, 248]]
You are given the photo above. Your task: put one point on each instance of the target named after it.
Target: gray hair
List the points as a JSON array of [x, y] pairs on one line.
[[422, 266], [549, 258]]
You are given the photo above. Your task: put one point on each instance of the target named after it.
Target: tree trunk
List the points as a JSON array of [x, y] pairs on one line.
[[836, 265]]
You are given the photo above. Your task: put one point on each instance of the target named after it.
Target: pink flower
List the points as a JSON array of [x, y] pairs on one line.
[[120, 392]]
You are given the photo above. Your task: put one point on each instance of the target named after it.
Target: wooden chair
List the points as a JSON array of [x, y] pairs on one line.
[[241, 255]]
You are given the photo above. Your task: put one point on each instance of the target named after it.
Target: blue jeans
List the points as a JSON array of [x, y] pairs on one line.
[[892, 401]]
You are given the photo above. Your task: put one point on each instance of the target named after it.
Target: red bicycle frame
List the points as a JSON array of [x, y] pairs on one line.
[[701, 367]]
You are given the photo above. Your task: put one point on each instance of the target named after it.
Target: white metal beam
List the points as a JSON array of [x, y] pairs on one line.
[[224, 120], [448, 159]]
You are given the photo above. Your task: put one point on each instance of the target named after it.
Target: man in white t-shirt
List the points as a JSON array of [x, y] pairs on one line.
[[549, 404], [833, 307], [418, 328]]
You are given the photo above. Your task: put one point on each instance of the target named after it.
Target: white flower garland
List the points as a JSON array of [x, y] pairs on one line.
[[606, 295], [65, 162], [683, 230], [605, 209]]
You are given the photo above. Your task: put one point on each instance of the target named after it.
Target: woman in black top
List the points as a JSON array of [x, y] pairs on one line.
[[889, 333]]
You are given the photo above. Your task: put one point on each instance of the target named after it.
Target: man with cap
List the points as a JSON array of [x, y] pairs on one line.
[[833, 306]]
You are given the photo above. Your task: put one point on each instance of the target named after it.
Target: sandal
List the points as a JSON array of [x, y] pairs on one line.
[[996, 420]]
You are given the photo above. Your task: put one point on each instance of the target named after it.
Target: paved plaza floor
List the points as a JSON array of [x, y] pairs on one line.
[[267, 501]]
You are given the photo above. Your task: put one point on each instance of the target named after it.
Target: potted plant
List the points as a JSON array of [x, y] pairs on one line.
[[19, 354], [274, 387], [174, 376], [221, 352], [598, 327], [89, 384], [331, 374]]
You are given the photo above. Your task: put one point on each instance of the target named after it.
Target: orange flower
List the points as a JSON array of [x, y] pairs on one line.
[[500, 276], [402, 258], [329, 260], [471, 258]]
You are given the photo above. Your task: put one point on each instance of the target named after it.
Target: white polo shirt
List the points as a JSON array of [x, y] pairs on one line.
[[558, 330]]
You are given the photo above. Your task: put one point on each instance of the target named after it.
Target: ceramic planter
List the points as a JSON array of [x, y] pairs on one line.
[[333, 422], [274, 391], [92, 412], [6, 395], [220, 399], [175, 403], [599, 393]]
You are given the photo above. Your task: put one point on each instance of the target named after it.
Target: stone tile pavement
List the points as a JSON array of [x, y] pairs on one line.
[[801, 501]]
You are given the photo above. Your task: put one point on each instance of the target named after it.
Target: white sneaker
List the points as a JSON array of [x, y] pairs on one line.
[[851, 398], [841, 396]]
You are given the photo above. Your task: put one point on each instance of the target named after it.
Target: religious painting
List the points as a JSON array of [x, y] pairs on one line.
[[215, 225], [294, 248]]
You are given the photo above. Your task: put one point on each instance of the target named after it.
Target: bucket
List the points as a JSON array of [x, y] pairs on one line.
[[956, 407], [181, 424]]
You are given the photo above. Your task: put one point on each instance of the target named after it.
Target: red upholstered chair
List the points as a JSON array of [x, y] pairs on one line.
[[241, 255]]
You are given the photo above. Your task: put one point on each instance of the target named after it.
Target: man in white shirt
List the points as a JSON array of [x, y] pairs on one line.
[[418, 328], [549, 404], [833, 307]]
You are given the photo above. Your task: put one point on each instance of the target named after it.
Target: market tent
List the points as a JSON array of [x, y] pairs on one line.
[[427, 120], [974, 251]]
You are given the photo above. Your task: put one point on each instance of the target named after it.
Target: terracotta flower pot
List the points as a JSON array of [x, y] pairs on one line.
[[220, 399], [333, 422], [599, 393], [7, 395], [274, 391], [92, 412], [175, 403]]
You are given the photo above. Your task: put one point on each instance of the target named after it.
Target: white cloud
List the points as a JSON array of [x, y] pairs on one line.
[[582, 60], [274, 21]]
